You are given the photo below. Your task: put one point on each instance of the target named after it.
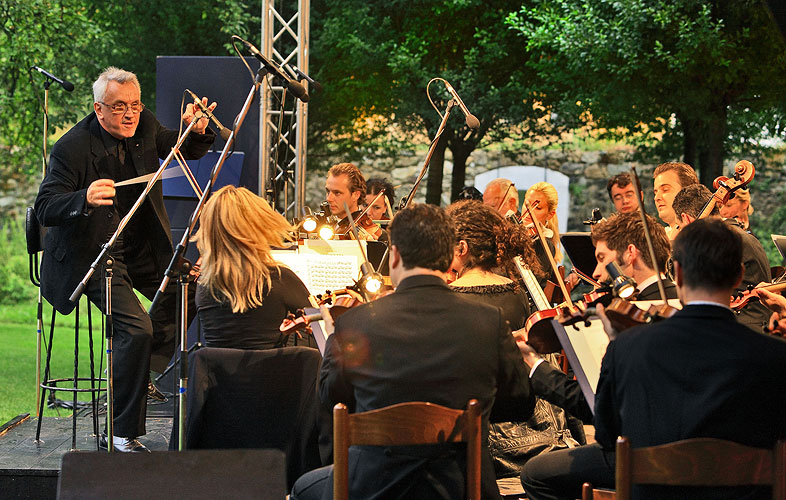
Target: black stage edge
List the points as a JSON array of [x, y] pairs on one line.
[[30, 470]]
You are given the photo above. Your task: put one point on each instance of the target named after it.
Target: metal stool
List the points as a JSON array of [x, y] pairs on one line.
[[33, 232]]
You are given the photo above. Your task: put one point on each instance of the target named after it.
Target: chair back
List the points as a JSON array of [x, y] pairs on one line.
[[406, 424], [239, 398], [700, 462]]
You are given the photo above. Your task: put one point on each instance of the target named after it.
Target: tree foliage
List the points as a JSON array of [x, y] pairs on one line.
[[76, 39], [375, 58], [692, 78]]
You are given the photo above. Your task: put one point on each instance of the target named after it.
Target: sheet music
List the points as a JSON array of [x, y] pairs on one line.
[[321, 272]]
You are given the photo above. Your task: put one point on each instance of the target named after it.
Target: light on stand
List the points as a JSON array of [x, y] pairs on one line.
[[309, 224], [326, 231], [622, 285], [371, 282]]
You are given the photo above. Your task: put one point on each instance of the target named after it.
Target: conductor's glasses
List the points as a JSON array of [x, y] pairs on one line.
[[120, 108]]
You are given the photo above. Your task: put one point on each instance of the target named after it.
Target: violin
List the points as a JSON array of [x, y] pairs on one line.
[[742, 299], [725, 186]]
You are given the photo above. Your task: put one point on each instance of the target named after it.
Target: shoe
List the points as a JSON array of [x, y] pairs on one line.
[[123, 445], [153, 394]]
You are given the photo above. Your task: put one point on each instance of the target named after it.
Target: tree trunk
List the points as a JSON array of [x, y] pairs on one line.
[[435, 168], [461, 151], [711, 150], [689, 131]]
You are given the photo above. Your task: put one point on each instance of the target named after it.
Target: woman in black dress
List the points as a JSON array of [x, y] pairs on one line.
[[486, 245], [243, 294]]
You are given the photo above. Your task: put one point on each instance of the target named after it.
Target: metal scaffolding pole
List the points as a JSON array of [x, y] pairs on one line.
[[282, 166]]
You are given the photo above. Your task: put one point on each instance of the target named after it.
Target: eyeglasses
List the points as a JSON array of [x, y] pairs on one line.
[[120, 108]]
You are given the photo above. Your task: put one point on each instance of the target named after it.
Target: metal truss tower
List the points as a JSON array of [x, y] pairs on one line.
[[282, 169]]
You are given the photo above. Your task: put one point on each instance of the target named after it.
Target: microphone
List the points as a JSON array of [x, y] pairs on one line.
[[297, 89], [63, 83], [222, 130], [303, 76], [472, 120]]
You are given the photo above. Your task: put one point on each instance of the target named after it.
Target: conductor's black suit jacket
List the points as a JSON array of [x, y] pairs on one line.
[[76, 233], [699, 373], [422, 343]]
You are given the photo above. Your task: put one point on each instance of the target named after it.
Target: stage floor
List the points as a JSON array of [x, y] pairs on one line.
[[29, 469]]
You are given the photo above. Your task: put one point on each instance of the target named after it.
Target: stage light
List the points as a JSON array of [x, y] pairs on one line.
[[309, 224], [326, 231], [622, 285], [371, 282]]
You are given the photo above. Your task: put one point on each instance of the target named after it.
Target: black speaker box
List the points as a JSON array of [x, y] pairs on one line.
[[198, 474]]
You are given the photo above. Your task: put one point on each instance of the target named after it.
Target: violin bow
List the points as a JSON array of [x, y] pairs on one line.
[[504, 196], [553, 264], [648, 236]]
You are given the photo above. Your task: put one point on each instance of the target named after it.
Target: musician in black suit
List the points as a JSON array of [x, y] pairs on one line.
[[422, 343], [621, 239], [699, 373], [689, 203], [77, 199]]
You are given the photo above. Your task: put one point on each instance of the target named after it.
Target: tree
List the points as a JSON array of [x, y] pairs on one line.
[[375, 57], [692, 73], [76, 39]]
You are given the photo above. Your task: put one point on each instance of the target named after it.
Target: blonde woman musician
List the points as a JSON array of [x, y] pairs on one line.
[[243, 294]]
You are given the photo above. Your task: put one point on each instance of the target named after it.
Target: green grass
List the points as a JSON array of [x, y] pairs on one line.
[[18, 357]]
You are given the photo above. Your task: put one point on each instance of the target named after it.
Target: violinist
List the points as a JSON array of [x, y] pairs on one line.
[[378, 209], [697, 374], [622, 193], [487, 242], [242, 293], [545, 210], [689, 202], [670, 177], [621, 239], [422, 342], [502, 195], [738, 207], [346, 185]]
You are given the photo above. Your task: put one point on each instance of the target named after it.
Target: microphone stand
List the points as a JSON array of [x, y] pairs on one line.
[[179, 266], [405, 202]]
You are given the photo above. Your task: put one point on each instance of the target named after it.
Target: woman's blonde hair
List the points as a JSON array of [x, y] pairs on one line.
[[234, 239], [552, 199]]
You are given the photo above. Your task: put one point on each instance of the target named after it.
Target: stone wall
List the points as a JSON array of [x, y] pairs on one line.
[[588, 172]]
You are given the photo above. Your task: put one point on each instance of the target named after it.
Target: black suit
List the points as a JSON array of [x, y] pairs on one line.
[[651, 292], [422, 343], [697, 374], [757, 270], [85, 154]]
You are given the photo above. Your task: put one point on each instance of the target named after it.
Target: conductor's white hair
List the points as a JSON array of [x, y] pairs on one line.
[[115, 75]]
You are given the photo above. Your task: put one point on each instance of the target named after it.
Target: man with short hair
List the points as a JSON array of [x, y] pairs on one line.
[[622, 193], [670, 177], [688, 204], [78, 201], [345, 185], [423, 342], [502, 195], [697, 374], [621, 239]]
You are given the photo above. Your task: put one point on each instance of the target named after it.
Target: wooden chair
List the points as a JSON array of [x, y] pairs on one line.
[[696, 462], [405, 424]]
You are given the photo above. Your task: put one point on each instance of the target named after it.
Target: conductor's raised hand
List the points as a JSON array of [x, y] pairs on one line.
[[100, 192], [193, 112]]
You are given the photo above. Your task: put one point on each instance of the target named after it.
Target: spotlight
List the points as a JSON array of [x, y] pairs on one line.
[[622, 285], [309, 223], [371, 282], [326, 231]]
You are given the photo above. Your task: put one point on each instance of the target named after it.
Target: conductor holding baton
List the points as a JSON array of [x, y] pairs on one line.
[[78, 201]]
